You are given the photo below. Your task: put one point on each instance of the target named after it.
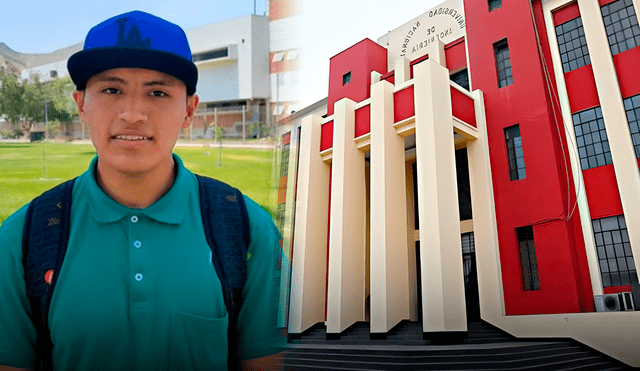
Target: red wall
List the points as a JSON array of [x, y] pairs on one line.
[[543, 198], [360, 59]]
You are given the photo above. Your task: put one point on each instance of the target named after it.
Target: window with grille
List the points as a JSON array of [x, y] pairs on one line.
[[503, 63], [528, 259], [572, 45], [632, 107], [591, 138], [461, 78], [346, 78], [495, 4], [614, 251], [515, 152], [621, 24]]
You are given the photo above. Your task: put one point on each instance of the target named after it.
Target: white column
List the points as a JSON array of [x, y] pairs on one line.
[[443, 302], [402, 70], [625, 163], [309, 263], [345, 297], [389, 259]]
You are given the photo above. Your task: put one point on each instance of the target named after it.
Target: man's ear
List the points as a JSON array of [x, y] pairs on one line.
[[192, 105], [78, 97]]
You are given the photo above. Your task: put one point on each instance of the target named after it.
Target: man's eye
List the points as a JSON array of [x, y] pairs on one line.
[[111, 91], [158, 93]]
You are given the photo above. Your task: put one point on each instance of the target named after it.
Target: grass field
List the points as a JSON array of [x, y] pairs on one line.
[[26, 170]]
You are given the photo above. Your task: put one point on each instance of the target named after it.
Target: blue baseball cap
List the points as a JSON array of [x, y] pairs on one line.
[[135, 40]]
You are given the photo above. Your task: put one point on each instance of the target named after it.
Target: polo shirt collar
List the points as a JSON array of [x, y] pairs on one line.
[[168, 209]]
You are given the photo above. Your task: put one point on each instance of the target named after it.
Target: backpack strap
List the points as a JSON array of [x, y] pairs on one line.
[[226, 225], [44, 244]]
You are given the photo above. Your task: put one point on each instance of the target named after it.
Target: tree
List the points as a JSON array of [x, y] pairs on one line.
[[24, 102]]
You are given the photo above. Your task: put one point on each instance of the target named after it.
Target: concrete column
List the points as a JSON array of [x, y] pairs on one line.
[[345, 297], [443, 302], [389, 259], [484, 223], [625, 163], [309, 262], [402, 70]]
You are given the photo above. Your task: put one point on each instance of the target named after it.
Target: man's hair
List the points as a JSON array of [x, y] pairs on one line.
[[135, 40]]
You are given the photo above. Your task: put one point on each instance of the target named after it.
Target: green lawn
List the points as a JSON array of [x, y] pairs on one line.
[[24, 174]]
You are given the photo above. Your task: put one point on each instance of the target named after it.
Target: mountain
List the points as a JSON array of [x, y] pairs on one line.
[[15, 62]]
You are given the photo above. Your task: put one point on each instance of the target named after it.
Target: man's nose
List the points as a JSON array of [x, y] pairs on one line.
[[134, 109]]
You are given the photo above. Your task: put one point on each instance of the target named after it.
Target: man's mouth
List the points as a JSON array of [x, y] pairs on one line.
[[131, 137]]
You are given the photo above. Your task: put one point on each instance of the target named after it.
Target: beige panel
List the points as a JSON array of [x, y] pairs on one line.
[[578, 180], [309, 268], [485, 228], [436, 53], [625, 163], [287, 231], [443, 302], [345, 299], [402, 71], [411, 244], [389, 260]]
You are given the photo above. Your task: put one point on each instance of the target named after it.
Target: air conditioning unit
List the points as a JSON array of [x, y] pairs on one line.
[[622, 301]]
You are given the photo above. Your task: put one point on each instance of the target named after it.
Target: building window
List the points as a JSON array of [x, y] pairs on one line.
[[346, 78], [213, 54], [278, 57], [503, 63], [591, 138], [515, 152], [632, 107], [528, 258], [461, 78], [614, 251], [621, 24], [572, 44], [495, 4], [53, 73]]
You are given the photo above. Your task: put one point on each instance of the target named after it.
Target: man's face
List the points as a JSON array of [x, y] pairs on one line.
[[135, 116]]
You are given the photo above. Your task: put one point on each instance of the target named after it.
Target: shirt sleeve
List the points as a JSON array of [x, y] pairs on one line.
[[257, 334], [18, 334]]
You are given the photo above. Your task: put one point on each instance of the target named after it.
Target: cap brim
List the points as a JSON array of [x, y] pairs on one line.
[[84, 64]]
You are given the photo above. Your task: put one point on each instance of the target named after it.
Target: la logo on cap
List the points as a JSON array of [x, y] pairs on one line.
[[133, 39], [48, 276]]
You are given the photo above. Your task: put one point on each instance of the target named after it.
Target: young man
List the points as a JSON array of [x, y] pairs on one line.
[[137, 289]]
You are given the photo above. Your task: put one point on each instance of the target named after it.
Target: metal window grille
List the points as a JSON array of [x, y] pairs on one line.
[[572, 44], [503, 63], [528, 259], [591, 138], [617, 266], [495, 4], [621, 24], [515, 152], [632, 107], [461, 78], [468, 249]]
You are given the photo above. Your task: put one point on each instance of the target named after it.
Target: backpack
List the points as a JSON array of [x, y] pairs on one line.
[[46, 235]]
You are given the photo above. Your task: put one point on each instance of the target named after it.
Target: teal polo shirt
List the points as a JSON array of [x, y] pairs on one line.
[[137, 289]]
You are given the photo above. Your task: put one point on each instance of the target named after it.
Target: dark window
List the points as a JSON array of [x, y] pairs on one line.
[[53, 73], [591, 138], [468, 243], [632, 106], [614, 251], [213, 54], [621, 24], [495, 4], [528, 258], [515, 152], [464, 187], [572, 44], [346, 78], [461, 78], [503, 63]]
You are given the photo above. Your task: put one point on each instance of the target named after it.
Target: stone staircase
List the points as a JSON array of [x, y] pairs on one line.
[[483, 348]]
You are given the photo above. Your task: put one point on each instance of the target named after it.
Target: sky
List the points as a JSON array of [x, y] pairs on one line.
[[326, 28]]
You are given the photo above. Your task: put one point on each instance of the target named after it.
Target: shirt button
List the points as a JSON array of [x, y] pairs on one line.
[[138, 277], [134, 219], [137, 244]]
